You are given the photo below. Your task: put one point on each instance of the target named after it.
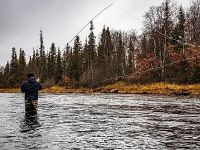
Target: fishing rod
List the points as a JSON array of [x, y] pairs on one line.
[[88, 24], [100, 12]]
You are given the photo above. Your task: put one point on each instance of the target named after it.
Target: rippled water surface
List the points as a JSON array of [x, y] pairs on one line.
[[100, 121]]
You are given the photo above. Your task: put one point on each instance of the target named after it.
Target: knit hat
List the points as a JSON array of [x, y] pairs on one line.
[[30, 75]]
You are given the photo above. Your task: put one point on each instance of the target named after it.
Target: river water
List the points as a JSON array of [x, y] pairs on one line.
[[100, 121]]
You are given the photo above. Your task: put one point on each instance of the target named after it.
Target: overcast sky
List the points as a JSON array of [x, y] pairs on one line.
[[60, 20]]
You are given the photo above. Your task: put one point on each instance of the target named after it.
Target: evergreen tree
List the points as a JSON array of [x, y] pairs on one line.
[[52, 61], [193, 22], [120, 56], [179, 31], [6, 74], [85, 57], [30, 67], [65, 60], [58, 69], [105, 53], [90, 53], [101, 52], [42, 59], [21, 66], [37, 62], [75, 63], [14, 68], [109, 54]]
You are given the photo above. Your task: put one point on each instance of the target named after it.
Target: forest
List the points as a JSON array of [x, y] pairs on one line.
[[167, 50]]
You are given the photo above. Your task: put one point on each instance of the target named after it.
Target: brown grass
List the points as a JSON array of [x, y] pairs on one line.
[[121, 87], [154, 88]]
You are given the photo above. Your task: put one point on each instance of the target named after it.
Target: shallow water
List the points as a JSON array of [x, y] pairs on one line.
[[100, 121]]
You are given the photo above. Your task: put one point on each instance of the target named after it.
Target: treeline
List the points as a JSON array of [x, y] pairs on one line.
[[170, 42], [167, 50]]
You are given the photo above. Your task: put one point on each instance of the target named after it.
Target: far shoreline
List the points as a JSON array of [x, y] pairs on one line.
[[160, 88]]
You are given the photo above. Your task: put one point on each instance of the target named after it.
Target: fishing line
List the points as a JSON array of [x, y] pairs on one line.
[[88, 23], [100, 12]]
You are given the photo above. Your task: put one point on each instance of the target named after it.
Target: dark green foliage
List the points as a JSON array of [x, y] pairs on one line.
[[42, 64], [179, 31], [6, 75], [51, 64], [65, 60], [105, 54], [22, 66], [58, 69], [89, 56], [120, 53], [13, 78], [75, 61]]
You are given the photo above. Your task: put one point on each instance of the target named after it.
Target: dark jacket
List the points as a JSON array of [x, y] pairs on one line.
[[31, 88]]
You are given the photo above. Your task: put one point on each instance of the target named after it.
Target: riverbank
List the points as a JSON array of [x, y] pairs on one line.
[[123, 88]]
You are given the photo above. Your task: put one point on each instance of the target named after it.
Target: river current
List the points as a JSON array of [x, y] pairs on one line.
[[100, 121]]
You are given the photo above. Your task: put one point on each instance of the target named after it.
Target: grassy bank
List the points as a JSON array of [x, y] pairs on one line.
[[121, 87], [154, 88]]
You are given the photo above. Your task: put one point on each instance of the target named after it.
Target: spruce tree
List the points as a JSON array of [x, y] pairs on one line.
[[65, 60], [42, 59], [91, 57], [101, 52], [52, 61], [37, 62], [6, 74], [30, 67], [85, 57], [14, 68], [58, 69], [120, 56], [109, 51], [34, 62], [179, 31], [21, 66], [75, 62]]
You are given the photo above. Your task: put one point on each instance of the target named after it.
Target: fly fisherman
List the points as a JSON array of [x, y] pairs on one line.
[[31, 88]]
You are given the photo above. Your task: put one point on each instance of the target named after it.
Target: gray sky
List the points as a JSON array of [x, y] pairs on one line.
[[60, 20]]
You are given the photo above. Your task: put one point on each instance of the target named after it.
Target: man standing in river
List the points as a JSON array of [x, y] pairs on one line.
[[31, 88]]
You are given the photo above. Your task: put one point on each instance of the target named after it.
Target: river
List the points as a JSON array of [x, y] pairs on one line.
[[100, 121]]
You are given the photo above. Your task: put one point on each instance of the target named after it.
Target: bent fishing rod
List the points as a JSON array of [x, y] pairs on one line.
[[89, 23], [97, 15]]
